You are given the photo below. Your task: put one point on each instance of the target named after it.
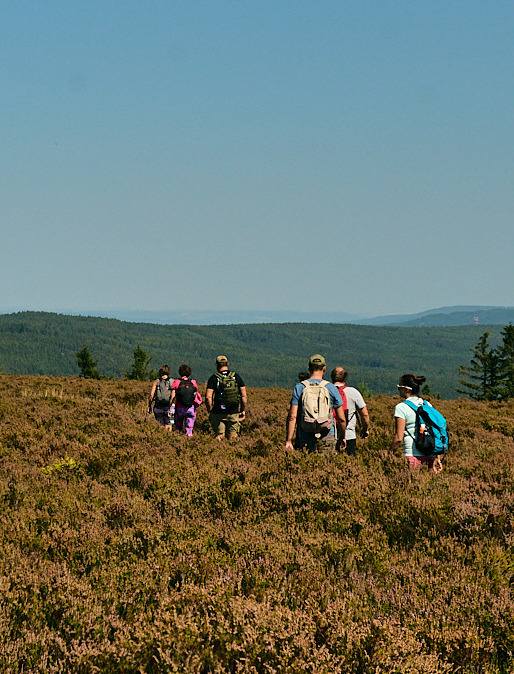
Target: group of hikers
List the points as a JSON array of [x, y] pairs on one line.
[[322, 414], [175, 401]]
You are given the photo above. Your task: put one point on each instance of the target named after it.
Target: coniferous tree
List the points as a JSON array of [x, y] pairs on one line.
[[506, 363], [141, 366], [86, 364], [480, 380]]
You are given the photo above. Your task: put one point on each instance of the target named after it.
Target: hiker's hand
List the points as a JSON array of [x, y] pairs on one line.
[[242, 415], [340, 445], [365, 434], [437, 466], [289, 444], [149, 410]]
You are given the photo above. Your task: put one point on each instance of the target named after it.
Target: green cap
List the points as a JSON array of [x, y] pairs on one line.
[[317, 361]]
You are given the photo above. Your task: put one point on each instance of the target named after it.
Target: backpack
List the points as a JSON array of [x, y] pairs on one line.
[[431, 434], [316, 407], [162, 395], [186, 391], [228, 388]]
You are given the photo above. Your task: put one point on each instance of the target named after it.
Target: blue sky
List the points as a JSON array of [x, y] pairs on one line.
[[319, 156]]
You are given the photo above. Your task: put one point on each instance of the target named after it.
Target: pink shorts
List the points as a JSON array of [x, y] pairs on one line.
[[419, 461]]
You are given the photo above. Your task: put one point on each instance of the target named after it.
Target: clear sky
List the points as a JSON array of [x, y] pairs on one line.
[[327, 155]]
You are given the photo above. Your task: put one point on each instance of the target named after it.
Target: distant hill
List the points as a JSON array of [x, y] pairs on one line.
[[220, 317], [497, 316], [446, 316], [442, 316], [265, 354]]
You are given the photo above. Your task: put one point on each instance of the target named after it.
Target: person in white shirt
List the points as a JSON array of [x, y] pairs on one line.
[[405, 424], [356, 408]]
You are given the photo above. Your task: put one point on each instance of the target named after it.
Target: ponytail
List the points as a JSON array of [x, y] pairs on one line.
[[411, 381]]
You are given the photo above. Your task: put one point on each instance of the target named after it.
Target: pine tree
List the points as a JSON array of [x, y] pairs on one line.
[[86, 364], [506, 362], [141, 366], [481, 379]]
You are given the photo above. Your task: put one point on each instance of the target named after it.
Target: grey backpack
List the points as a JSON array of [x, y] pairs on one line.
[[162, 396]]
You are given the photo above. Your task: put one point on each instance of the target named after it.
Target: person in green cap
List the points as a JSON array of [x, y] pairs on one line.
[[225, 399], [312, 408]]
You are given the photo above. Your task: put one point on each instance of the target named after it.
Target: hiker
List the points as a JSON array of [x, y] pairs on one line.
[[356, 407], [312, 403], [186, 397], [405, 424], [225, 399], [160, 396]]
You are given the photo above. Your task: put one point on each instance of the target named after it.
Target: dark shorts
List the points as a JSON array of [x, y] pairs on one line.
[[351, 446], [312, 441], [162, 415]]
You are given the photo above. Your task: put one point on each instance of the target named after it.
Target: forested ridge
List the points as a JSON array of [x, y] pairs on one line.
[[265, 354]]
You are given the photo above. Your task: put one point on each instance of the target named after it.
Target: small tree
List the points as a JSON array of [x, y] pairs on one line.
[[480, 380], [86, 364], [506, 363], [364, 389], [141, 366]]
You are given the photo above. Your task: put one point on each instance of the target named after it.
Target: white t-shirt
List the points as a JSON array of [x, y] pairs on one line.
[[355, 402], [406, 412]]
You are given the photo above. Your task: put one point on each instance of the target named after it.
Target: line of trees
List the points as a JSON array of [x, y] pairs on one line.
[[139, 370], [491, 373]]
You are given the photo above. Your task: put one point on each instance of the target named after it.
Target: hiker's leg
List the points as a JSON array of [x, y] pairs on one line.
[[328, 441], [179, 418], [218, 425], [162, 416], [189, 420], [351, 446], [232, 426]]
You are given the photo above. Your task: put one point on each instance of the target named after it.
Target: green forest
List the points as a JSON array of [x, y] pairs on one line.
[[264, 354]]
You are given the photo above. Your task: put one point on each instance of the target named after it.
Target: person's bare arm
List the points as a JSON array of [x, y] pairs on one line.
[[399, 431], [208, 399], [151, 396], [341, 426], [291, 425], [364, 421], [242, 407]]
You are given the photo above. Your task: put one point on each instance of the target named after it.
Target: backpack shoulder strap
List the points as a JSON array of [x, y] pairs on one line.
[[413, 406], [318, 382]]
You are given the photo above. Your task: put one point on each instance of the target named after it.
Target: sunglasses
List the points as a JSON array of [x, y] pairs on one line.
[[407, 387]]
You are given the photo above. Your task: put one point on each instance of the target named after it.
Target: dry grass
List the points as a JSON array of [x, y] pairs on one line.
[[129, 549]]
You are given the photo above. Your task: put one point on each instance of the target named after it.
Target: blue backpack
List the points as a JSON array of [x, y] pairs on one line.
[[431, 434]]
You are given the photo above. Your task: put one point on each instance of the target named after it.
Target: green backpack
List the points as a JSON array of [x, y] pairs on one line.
[[228, 388]]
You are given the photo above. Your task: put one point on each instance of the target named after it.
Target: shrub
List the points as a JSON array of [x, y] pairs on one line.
[[127, 548]]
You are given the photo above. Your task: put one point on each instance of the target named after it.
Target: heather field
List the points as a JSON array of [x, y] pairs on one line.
[[125, 548]]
